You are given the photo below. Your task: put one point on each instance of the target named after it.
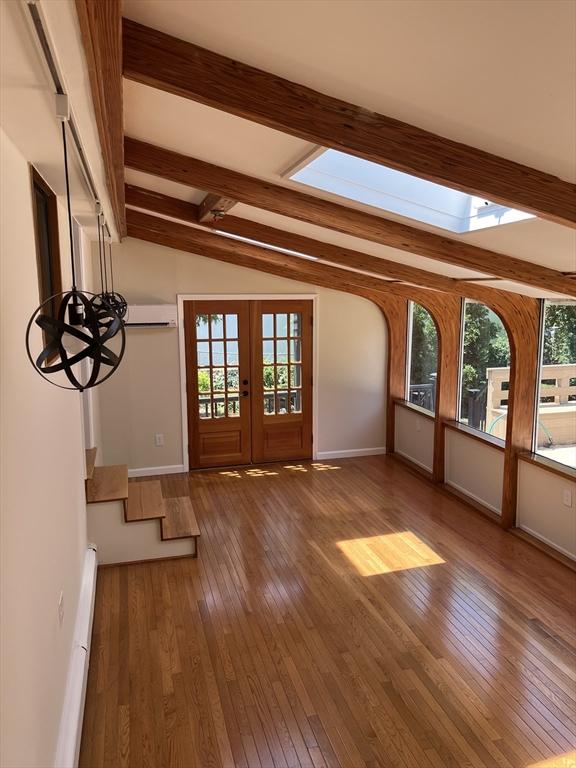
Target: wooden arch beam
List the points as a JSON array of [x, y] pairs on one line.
[[185, 69], [324, 213]]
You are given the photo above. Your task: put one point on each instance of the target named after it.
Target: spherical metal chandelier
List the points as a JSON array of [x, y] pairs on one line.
[[108, 297], [80, 336]]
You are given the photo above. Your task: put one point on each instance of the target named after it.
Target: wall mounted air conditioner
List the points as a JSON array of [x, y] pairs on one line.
[[152, 316]]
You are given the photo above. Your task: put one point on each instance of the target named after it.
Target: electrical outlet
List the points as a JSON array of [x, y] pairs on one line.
[[567, 498], [61, 609], [159, 440]]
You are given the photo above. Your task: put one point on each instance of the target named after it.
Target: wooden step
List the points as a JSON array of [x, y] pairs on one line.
[[90, 461], [108, 484], [180, 521], [145, 501]]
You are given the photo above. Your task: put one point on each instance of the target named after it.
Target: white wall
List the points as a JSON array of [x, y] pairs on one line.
[[414, 436], [143, 397], [542, 510], [474, 468], [42, 520]]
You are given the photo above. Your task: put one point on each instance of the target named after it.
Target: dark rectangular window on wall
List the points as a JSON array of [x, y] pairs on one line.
[[45, 211]]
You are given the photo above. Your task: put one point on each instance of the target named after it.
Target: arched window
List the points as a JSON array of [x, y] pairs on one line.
[[555, 434], [423, 358], [484, 370]]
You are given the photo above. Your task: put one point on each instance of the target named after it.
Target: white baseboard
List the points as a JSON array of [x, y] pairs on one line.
[[169, 469], [547, 541], [414, 461], [350, 453], [466, 492], [70, 731]]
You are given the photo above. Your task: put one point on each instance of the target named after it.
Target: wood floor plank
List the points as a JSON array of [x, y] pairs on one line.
[[341, 615]]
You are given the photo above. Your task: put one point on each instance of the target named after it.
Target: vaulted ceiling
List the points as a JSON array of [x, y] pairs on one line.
[[494, 84]]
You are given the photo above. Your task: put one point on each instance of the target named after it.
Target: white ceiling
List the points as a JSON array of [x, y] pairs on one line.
[[499, 75]]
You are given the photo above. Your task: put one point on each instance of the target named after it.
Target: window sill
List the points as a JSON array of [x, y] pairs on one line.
[[568, 473], [482, 437], [411, 407]]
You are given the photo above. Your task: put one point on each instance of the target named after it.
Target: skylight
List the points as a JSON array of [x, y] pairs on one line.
[[397, 192]]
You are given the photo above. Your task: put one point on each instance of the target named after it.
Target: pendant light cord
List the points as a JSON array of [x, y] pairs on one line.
[[111, 268], [100, 254], [69, 206]]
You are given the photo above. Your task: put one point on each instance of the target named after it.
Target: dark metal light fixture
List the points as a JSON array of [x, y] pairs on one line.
[[110, 298], [76, 336]]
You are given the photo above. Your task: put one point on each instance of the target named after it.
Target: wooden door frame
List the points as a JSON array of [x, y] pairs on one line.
[[182, 297]]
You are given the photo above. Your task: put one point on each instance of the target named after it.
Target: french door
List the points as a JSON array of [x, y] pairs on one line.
[[249, 381]]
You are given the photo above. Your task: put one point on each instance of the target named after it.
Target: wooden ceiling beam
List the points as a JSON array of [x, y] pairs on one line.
[[324, 213], [213, 208], [290, 241], [185, 69], [206, 243], [101, 30]]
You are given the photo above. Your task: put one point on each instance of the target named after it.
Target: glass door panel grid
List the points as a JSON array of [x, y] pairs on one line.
[[282, 362], [218, 366]]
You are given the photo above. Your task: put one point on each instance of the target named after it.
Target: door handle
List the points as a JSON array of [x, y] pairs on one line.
[[245, 382], [245, 393]]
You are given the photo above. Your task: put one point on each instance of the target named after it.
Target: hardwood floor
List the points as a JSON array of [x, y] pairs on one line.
[[340, 614]]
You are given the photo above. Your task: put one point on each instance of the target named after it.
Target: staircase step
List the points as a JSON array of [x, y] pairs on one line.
[[180, 521], [145, 501], [90, 461], [108, 484]]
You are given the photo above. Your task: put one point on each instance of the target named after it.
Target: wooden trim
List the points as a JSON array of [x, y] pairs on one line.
[[185, 69], [566, 472], [213, 208], [191, 556], [101, 29], [475, 434], [415, 408], [53, 234], [543, 547], [282, 200]]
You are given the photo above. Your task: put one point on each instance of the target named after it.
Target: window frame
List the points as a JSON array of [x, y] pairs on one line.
[[482, 434], [54, 264], [544, 460], [409, 332]]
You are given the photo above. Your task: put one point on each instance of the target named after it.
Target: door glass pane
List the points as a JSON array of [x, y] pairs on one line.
[[203, 353], [217, 353], [282, 402], [295, 376], [219, 405], [203, 381], [267, 351], [295, 324], [204, 407], [295, 350], [232, 379], [201, 326], [232, 353], [217, 326], [218, 379], [269, 378], [282, 376], [269, 403], [296, 401], [282, 351], [281, 325], [233, 405], [268, 326], [231, 326]]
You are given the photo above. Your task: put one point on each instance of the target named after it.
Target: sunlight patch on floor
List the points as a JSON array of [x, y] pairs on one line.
[[566, 760], [390, 552]]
